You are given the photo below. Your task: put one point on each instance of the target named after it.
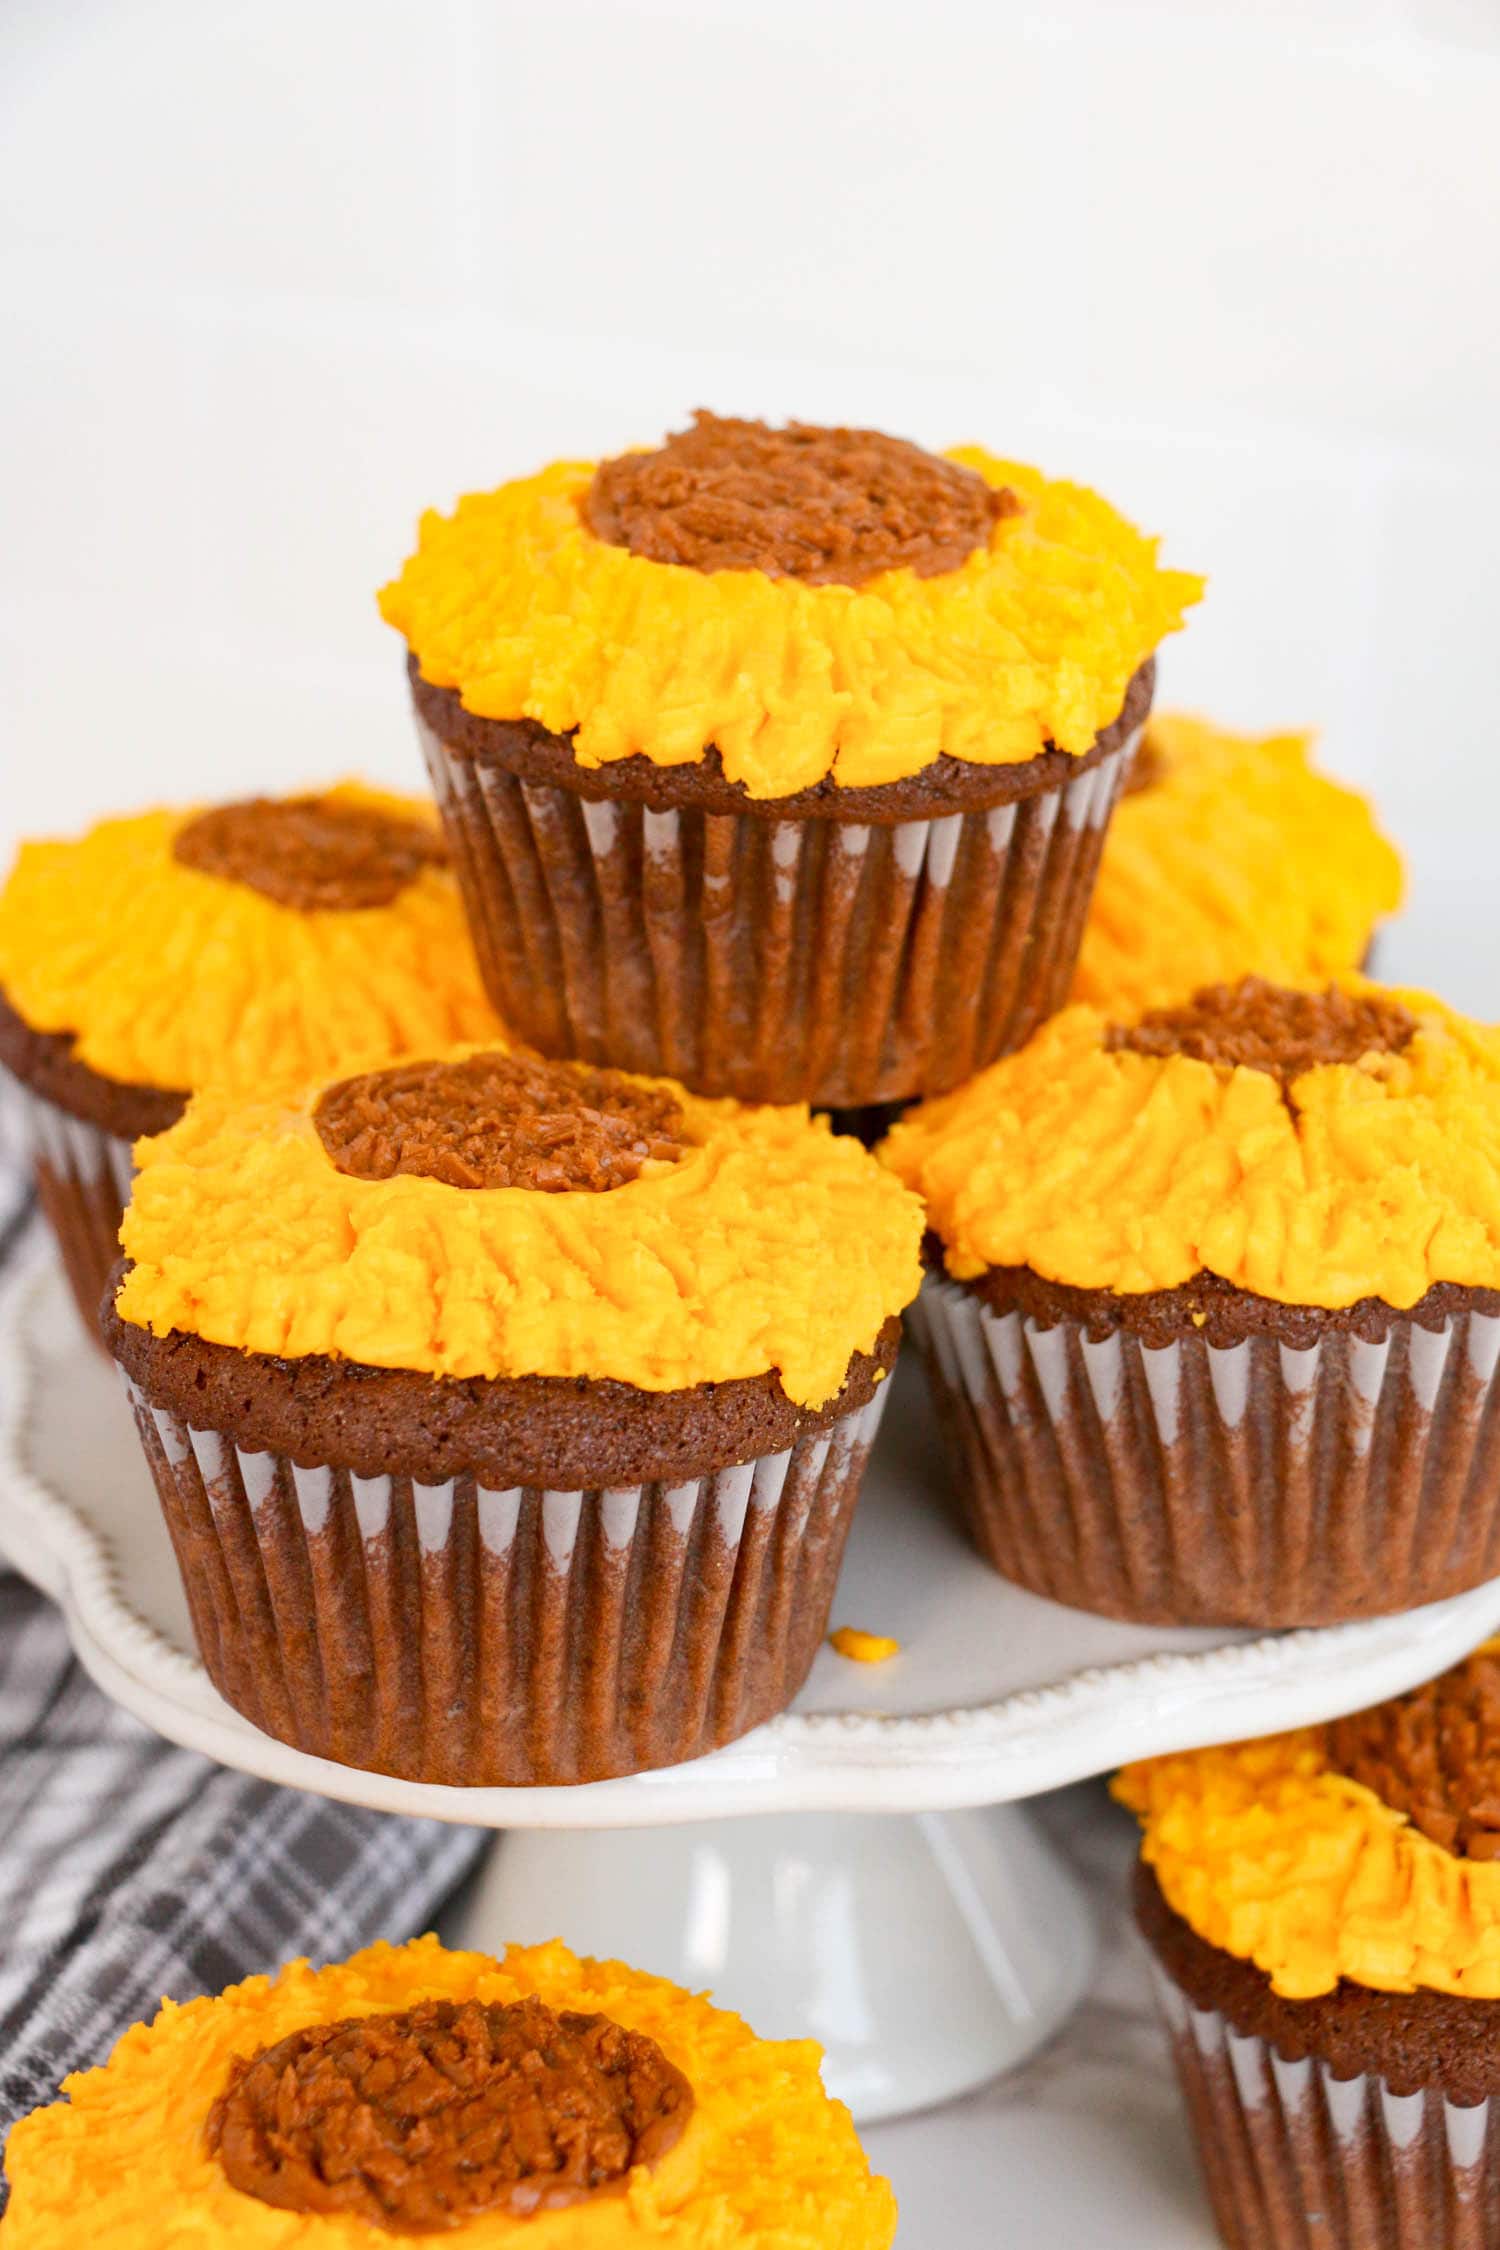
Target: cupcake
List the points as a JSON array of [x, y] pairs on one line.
[[1215, 1305], [508, 1415], [778, 760], [158, 952], [1323, 1915], [1230, 856], [565, 2103]]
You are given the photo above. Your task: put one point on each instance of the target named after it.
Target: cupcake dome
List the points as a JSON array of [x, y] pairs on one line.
[[161, 951], [1323, 1908], [786, 754], [1229, 856], [1233, 1273], [646, 2116], [543, 1357], [277, 937]]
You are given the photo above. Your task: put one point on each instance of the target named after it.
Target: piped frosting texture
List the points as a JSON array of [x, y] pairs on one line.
[[1272, 1853], [170, 975], [767, 2161], [1234, 857], [767, 1244], [1102, 1168], [514, 602]]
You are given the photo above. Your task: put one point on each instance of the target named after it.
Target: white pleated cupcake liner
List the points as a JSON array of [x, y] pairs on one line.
[[455, 1633], [82, 1178], [840, 963], [1297, 2159], [1246, 1484]]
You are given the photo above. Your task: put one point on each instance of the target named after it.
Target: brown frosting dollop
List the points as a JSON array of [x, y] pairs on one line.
[[310, 852], [418, 2122], [1258, 1026], [832, 507], [500, 1120], [1434, 1755]]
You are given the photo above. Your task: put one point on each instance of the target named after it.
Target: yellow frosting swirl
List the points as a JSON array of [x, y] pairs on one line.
[[714, 1267], [514, 602], [1122, 1171], [172, 977], [1270, 1855], [767, 2162], [1236, 859]]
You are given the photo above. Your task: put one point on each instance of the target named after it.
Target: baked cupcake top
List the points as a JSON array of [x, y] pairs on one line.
[[542, 2099], [1230, 856], [1368, 1849], [280, 935], [808, 601], [1316, 1148], [488, 1214]]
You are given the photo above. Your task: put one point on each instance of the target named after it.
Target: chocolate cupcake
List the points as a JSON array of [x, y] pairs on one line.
[[507, 1415], [159, 952], [1323, 1914], [1230, 855], [414, 2091], [779, 760], [1215, 1305]]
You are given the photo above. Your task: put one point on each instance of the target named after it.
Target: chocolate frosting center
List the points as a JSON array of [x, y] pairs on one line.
[[828, 506], [501, 1120], [1434, 1755], [310, 852], [417, 2122], [1260, 1026]]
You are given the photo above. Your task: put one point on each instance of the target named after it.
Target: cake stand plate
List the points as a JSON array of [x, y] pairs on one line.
[[926, 1953]]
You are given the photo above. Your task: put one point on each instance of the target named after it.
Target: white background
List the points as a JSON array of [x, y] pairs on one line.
[[276, 275]]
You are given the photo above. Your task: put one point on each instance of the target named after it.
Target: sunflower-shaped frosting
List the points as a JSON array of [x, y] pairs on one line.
[[565, 2105], [1315, 1148], [1230, 857], [1009, 613], [494, 1215], [281, 935], [1342, 1851]]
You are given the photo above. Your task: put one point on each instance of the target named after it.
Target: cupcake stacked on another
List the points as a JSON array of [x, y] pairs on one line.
[[1230, 856], [779, 759], [169, 950], [1215, 1314], [541, 2099], [1323, 1909], [503, 1415]]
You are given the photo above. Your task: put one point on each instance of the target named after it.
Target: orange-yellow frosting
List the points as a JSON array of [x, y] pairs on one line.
[[172, 977], [1271, 1856], [767, 2162], [771, 1244], [1236, 859], [514, 603], [1116, 1170]]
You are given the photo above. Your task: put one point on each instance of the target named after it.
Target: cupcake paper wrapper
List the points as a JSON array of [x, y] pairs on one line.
[[776, 960], [451, 1633], [82, 1179], [1296, 2159], [1192, 1484]]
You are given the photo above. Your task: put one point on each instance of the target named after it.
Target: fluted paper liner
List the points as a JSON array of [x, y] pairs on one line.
[[82, 1179], [1296, 2159], [1195, 1484], [453, 1633], [833, 962]]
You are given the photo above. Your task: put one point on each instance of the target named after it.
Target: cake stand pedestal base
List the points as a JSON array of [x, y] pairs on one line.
[[925, 1953]]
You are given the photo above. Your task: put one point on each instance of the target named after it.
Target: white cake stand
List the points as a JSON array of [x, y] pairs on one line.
[[892, 1899]]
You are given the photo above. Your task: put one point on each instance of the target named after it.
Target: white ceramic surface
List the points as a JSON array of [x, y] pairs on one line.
[[926, 1955], [995, 1696]]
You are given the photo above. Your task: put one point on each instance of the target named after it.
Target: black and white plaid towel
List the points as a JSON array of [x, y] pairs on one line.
[[132, 1871]]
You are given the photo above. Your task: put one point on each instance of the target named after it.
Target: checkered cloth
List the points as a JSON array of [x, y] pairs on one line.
[[130, 1870]]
